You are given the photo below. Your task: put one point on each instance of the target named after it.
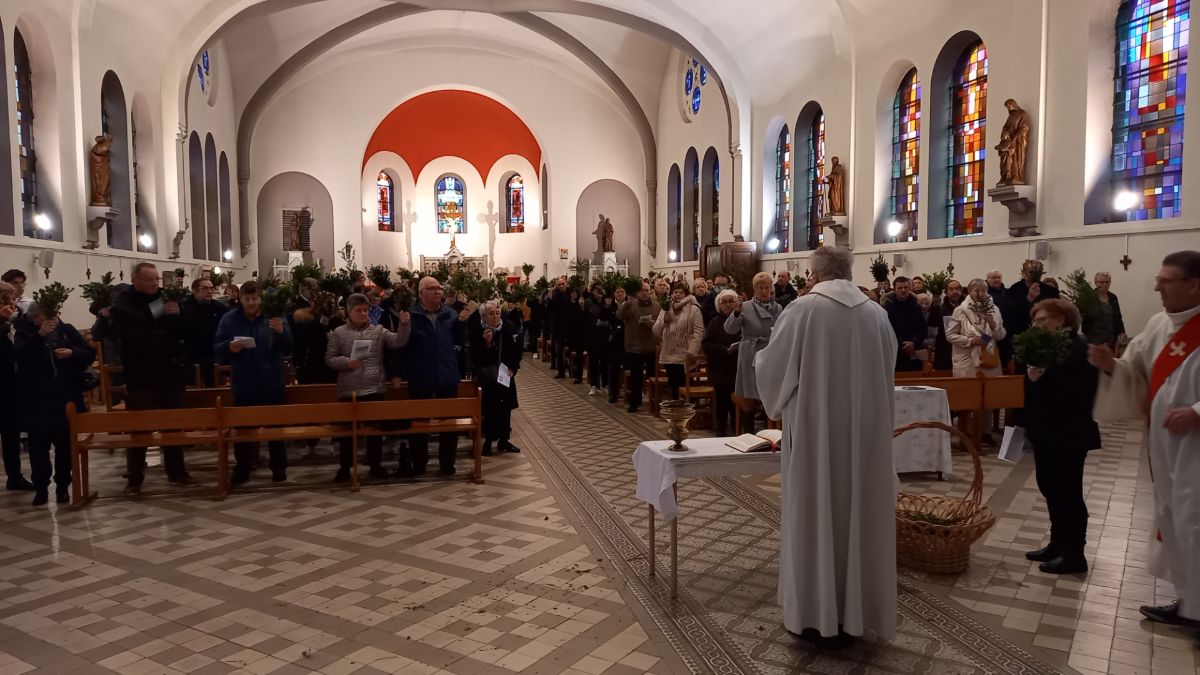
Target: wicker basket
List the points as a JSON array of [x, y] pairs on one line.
[[935, 534]]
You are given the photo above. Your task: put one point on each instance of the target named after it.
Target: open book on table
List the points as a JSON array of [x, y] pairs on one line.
[[767, 440]]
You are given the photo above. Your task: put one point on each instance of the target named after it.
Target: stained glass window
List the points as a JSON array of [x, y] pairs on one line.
[[814, 174], [514, 203], [968, 126], [783, 191], [695, 76], [385, 202], [695, 187], [451, 205], [28, 157], [1151, 76], [203, 71], [715, 199], [906, 155]]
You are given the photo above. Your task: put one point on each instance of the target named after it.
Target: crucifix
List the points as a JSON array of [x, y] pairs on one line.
[[491, 219], [1126, 262], [409, 216]]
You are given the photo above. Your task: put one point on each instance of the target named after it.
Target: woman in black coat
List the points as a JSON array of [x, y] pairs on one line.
[[721, 348], [51, 357], [1058, 422], [495, 342], [614, 348]]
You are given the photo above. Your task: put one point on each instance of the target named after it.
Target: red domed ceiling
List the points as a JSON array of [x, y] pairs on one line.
[[454, 123]]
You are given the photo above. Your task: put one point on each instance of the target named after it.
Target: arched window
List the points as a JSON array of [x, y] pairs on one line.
[[7, 225], [710, 204], [1151, 74], [226, 208], [691, 206], [114, 122], [674, 213], [545, 197], [28, 156], [906, 155], [968, 124], [385, 202], [814, 173], [451, 205], [212, 214], [514, 205], [783, 194], [196, 196]]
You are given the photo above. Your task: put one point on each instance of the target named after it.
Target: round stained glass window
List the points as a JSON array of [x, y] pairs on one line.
[[695, 76], [703, 75], [696, 100], [688, 81]]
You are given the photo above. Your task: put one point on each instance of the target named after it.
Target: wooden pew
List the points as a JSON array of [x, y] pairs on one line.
[[124, 429], [289, 422]]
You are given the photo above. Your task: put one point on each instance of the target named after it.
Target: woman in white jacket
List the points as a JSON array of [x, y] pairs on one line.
[[680, 331], [974, 330]]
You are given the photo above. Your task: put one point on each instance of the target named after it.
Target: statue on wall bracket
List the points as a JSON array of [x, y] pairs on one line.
[[1013, 190]]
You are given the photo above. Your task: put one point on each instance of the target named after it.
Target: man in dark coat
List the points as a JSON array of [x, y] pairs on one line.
[[153, 338], [51, 356], [432, 366], [562, 311], [785, 292], [721, 349], [494, 341], [10, 429], [614, 348], [202, 314], [1020, 298], [908, 322]]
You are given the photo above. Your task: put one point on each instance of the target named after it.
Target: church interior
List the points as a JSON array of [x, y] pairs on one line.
[[681, 139]]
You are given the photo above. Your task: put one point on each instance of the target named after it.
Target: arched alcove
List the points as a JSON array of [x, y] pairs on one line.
[[938, 197], [289, 192], [36, 98], [225, 209], [114, 118], [8, 209], [674, 213], [212, 219], [710, 199], [808, 152], [620, 205], [690, 251], [141, 143], [196, 197]]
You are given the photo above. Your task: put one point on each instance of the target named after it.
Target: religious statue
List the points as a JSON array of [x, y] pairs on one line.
[[101, 174], [835, 189], [604, 234], [293, 230], [1014, 139]]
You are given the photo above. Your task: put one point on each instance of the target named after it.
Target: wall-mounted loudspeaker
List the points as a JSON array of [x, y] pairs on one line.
[[898, 260], [1041, 250]]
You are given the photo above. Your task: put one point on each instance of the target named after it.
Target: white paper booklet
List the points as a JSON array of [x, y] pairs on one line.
[[767, 440], [246, 341], [1013, 445], [361, 349]]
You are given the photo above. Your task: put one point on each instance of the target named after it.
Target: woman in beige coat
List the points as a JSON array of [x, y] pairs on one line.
[[975, 328], [680, 331]]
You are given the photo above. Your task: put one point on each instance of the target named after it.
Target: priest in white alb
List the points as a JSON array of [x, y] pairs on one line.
[[828, 374], [1158, 377]]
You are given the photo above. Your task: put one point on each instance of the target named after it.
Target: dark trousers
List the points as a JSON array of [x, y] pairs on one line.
[[418, 445], [597, 366], [208, 378], [723, 408], [39, 457], [374, 443], [676, 375], [10, 440], [497, 412], [615, 366], [906, 363], [1059, 475], [558, 354], [639, 364], [246, 454], [154, 398]]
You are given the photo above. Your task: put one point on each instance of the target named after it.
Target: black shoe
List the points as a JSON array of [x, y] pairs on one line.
[[446, 471], [813, 636], [1043, 554], [342, 476], [238, 478], [612, 401], [185, 480], [560, 376], [63, 497], [133, 490], [631, 409], [578, 380], [278, 476], [378, 473], [1065, 565], [41, 497], [1167, 614], [487, 449], [505, 446], [20, 483]]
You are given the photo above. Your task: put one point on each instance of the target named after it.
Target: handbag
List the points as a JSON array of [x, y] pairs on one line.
[[989, 358], [89, 379]]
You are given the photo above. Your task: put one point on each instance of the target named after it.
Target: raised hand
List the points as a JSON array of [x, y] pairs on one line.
[[1102, 357]]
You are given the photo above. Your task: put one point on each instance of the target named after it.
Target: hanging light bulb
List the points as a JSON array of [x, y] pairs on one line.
[[673, 256], [1126, 200], [773, 244], [146, 240], [228, 255], [216, 269], [42, 222], [894, 228]]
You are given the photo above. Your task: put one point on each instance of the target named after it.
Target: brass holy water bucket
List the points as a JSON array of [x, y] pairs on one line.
[[677, 414]]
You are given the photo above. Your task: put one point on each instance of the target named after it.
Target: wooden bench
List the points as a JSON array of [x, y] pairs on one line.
[[971, 396], [140, 428]]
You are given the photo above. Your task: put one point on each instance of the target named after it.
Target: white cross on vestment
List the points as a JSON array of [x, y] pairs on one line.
[[1177, 348]]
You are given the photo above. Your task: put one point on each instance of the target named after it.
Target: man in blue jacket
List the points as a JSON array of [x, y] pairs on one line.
[[432, 358], [255, 346]]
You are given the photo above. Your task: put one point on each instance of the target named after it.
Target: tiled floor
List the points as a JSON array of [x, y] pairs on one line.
[[544, 570]]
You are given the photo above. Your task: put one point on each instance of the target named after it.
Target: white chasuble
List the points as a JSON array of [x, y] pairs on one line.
[[828, 373], [1174, 459]]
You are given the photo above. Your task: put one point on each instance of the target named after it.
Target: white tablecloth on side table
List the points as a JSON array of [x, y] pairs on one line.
[[658, 468], [923, 449]]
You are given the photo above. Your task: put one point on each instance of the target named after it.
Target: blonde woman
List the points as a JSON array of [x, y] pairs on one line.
[[754, 320], [974, 331]]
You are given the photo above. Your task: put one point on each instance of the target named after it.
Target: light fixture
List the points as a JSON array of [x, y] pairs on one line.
[[42, 222], [773, 244], [146, 240], [894, 228], [673, 256], [1126, 200], [228, 255], [216, 269]]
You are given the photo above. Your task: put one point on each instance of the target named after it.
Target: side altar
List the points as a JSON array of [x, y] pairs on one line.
[[455, 259]]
